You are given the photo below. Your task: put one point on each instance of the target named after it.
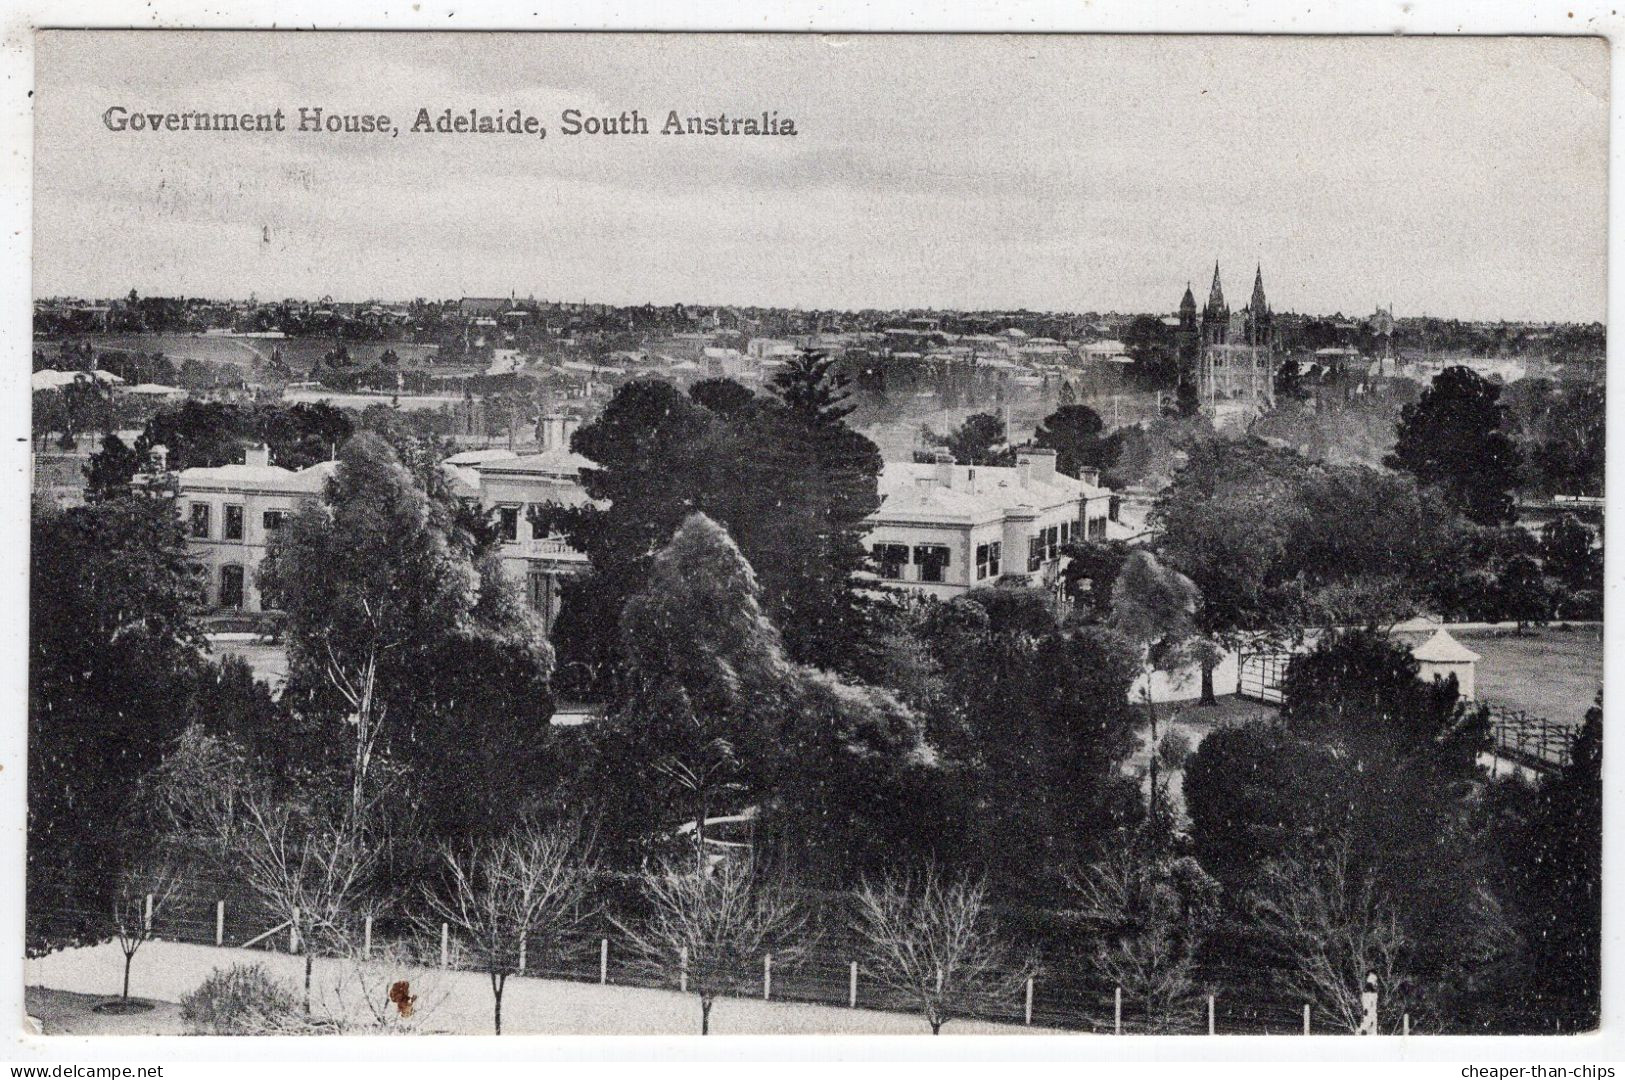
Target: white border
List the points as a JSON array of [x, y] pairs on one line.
[[1120, 16]]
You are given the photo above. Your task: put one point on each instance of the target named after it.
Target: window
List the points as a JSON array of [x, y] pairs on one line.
[[1114, 509], [231, 587], [1097, 528], [200, 521], [932, 559], [234, 523], [1066, 533], [987, 560], [1052, 538], [892, 558], [273, 520], [508, 523], [1035, 553], [200, 583]]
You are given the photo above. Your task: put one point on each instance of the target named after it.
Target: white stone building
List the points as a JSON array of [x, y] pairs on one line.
[[944, 528]]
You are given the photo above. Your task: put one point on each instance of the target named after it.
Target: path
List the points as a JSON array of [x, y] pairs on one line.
[[460, 1001]]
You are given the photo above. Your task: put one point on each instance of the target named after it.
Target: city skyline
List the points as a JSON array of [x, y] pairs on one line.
[[1053, 174]]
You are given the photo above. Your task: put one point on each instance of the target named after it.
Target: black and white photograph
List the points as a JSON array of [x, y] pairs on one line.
[[693, 535]]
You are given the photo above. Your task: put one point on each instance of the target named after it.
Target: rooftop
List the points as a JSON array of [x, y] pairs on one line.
[[974, 493]]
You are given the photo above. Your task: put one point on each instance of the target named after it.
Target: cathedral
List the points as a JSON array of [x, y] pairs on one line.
[[1253, 325], [1225, 354]]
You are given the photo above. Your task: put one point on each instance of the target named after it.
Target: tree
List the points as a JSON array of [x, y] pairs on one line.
[[980, 440], [717, 705], [518, 895], [407, 642], [1149, 914], [1567, 553], [1331, 926], [144, 889], [708, 931], [1453, 437], [1556, 868], [113, 649], [929, 940], [1153, 608], [111, 469], [1075, 433], [310, 860]]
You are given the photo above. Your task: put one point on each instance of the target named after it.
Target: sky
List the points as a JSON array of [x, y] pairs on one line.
[[1459, 177]]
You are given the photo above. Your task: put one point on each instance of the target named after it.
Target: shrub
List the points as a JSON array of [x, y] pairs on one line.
[[1174, 750], [244, 999]]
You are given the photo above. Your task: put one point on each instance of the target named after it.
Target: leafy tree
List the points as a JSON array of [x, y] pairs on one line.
[[1453, 437], [406, 643], [1567, 554], [718, 706], [1556, 869], [113, 647], [1076, 434], [722, 396], [111, 469], [980, 440], [1035, 724]]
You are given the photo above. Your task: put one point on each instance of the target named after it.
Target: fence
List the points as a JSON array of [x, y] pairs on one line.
[[830, 971], [1532, 741]]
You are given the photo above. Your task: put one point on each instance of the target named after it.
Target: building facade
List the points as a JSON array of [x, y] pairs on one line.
[[231, 512], [944, 528]]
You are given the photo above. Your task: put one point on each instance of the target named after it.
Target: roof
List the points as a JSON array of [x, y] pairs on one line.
[[981, 493], [272, 478], [548, 463], [480, 457], [1441, 648]]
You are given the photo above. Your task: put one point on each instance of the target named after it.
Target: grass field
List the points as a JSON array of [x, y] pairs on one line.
[[1548, 672]]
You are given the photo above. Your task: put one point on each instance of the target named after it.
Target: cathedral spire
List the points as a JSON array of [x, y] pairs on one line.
[[1189, 301], [1215, 296], [1258, 303]]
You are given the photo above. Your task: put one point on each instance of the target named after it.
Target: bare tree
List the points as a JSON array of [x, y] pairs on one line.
[[707, 931], [1332, 927], [932, 941], [523, 892], [311, 866], [142, 892], [1149, 913]]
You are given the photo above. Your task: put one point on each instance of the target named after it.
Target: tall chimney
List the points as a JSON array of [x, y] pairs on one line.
[[570, 425], [258, 455], [552, 432], [945, 469]]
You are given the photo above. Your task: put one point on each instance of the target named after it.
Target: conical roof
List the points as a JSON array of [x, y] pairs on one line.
[[1441, 648]]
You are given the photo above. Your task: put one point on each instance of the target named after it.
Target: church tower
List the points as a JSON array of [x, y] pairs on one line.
[[1216, 315], [1259, 320], [1187, 343]]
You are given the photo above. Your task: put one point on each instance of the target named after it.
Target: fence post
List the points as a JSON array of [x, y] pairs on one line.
[[767, 977], [220, 922], [1306, 1018], [146, 917], [603, 960], [1029, 1009], [366, 938], [1117, 1011], [293, 932], [1210, 1030], [852, 991], [445, 945], [682, 969]]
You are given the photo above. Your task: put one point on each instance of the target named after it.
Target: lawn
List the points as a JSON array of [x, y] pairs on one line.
[[1547, 672]]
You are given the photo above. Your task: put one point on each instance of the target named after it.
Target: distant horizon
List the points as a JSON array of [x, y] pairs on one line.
[[538, 299], [952, 173]]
